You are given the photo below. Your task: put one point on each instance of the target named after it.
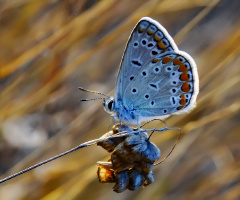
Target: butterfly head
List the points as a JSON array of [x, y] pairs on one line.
[[109, 104]]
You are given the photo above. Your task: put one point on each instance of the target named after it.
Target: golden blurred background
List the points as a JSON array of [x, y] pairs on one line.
[[49, 48]]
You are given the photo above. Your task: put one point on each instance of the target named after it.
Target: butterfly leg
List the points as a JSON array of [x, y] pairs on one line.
[[114, 121], [138, 124]]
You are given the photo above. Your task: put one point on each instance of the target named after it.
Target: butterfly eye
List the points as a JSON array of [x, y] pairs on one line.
[[110, 105]]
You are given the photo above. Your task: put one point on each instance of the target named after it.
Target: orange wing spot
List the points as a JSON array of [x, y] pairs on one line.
[[185, 87], [149, 32], [177, 62], [155, 60], [183, 68], [157, 38], [184, 77], [183, 102], [180, 107], [140, 29], [166, 60], [161, 45], [183, 96]]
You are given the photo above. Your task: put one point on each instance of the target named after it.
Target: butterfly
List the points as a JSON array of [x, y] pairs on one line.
[[155, 79]]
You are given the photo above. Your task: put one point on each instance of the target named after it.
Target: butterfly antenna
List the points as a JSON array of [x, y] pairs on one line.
[[92, 99], [95, 92], [179, 136]]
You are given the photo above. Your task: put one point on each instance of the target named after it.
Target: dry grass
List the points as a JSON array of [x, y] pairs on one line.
[[49, 48]]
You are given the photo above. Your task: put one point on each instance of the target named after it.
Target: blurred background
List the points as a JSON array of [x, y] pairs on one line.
[[49, 48]]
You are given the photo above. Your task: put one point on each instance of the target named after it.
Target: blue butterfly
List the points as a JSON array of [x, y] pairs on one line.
[[155, 79]]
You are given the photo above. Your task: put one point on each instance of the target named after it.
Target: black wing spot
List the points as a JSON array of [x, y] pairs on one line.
[[187, 65], [136, 63], [131, 78], [173, 100], [169, 69], [174, 90], [164, 111], [154, 53], [153, 85], [169, 49], [156, 69], [150, 45], [144, 42], [146, 96], [164, 41], [135, 44], [144, 73], [152, 103], [134, 90], [180, 59]]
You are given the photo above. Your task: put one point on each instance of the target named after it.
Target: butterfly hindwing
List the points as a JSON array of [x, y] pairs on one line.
[[167, 84], [148, 40]]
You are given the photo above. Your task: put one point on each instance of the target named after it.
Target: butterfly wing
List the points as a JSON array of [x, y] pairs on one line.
[[147, 40], [165, 85]]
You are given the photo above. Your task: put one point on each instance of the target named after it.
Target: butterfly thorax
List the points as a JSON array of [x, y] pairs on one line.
[[124, 113]]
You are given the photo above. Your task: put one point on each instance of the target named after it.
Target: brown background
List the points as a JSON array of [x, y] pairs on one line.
[[50, 47]]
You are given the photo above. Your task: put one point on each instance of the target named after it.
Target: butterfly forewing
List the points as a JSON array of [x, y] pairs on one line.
[[155, 78], [148, 40]]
